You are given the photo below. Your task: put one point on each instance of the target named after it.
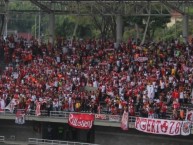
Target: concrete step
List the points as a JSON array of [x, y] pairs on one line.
[[15, 143]]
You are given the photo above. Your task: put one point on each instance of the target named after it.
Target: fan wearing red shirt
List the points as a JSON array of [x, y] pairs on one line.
[[131, 110], [175, 94], [176, 105], [163, 110]]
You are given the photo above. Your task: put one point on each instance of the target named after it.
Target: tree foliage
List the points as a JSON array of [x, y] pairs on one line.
[[155, 22], [86, 26]]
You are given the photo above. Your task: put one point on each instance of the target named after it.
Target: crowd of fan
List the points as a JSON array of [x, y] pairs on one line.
[[150, 78]]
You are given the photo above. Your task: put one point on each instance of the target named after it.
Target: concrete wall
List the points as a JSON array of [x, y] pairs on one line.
[[98, 134], [8, 128], [115, 136]]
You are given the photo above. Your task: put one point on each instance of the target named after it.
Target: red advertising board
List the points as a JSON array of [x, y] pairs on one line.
[[82, 121]]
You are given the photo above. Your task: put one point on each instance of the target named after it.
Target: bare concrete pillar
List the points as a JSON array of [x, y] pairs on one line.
[[51, 27], [119, 28], [185, 28]]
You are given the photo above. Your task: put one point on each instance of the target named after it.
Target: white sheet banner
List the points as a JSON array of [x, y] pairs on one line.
[[20, 117], [189, 115], [100, 116], [158, 126], [124, 120], [115, 118], [185, 129]]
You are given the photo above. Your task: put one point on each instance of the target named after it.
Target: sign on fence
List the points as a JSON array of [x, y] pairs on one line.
[[115, 118], [100, 116], [124, 120], [161, 126], [82, 121]]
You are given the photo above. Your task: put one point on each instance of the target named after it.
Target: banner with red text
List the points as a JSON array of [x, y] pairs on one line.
[[124, 120], [100, 116], [115, 118], [20, 117], [82, 121], [189, 115], [158, 126]]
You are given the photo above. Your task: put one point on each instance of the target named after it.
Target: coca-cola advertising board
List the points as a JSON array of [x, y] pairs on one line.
[[81, 121]]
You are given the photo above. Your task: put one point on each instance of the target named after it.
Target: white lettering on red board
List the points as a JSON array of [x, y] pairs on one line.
[[82, 121]]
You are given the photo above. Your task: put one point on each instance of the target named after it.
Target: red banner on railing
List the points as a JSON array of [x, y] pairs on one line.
[[82, 121]]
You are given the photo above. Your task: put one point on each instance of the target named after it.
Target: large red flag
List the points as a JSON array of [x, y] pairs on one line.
[[82, 121]]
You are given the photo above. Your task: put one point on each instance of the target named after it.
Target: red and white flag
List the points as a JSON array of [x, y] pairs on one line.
[[20, 117], [185, 128], [2, 105], [124, 120], [38, 112], [11, 105], [189, 115], [2, 110], [81, 121]]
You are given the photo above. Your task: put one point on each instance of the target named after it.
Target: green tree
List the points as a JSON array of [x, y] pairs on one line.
[[139, 23], [106, 26], [21, 22], [66, 28], [157, 22]]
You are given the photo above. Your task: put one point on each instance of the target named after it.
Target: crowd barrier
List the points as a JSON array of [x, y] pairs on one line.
[[104, 117], [65, 115], [2, 138], [36, 141]]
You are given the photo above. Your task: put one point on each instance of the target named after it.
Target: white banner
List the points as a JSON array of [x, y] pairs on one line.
[[38, 112], [20, 117], [114, 118], [11, 105], [158, 126], [189, 115], [185, 129], [101, 116], [124, 120]]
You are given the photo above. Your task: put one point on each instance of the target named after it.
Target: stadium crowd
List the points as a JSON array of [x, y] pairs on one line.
[[150, 78]]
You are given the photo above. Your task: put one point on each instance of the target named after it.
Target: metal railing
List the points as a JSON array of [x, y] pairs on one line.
[[36, 141], [2, 138], [61, 114], [43, 113], [104, 117], [65, 115]]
